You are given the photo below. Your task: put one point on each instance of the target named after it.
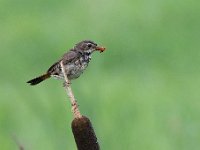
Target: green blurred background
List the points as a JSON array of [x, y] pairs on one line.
[[142, 93]]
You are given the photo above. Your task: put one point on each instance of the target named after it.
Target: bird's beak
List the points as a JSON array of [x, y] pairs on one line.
[[101, 49]]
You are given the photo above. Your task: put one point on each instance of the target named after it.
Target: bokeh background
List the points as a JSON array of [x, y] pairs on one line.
[[142, 93]]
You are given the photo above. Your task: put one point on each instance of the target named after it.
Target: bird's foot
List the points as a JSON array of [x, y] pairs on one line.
[[66, 84]]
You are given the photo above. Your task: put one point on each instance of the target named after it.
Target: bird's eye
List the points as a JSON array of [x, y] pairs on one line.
[[89, 45]]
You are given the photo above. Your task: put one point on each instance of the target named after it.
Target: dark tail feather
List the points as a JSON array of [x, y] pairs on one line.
[[39, 79]]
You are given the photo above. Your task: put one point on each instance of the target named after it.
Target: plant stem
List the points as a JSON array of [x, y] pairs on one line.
[[70, 94]]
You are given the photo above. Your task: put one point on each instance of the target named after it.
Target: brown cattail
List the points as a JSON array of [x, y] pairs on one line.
[[84, 134]]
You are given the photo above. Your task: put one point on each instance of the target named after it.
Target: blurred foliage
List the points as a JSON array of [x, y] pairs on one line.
[[142, 93]]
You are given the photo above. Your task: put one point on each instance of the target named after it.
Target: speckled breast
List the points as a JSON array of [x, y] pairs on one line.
[[76, 68]]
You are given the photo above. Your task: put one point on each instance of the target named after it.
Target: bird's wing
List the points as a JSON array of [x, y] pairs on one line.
[[67, 58]]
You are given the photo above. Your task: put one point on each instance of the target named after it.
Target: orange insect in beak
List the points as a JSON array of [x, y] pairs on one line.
[[101, 49]]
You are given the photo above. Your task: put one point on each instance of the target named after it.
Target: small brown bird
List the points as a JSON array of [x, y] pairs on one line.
[[75, 62]]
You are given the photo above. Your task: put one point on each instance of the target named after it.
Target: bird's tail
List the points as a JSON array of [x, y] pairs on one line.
[[39, 79]]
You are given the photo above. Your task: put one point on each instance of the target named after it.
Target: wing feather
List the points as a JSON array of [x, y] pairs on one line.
[[67, 58]]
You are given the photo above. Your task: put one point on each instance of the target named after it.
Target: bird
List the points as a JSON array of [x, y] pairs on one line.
[[75, 61]]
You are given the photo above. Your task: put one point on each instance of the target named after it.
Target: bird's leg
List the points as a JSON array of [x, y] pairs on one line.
[[66, 83]]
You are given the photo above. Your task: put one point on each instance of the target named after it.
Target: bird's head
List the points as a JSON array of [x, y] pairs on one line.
[[88, 46]]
